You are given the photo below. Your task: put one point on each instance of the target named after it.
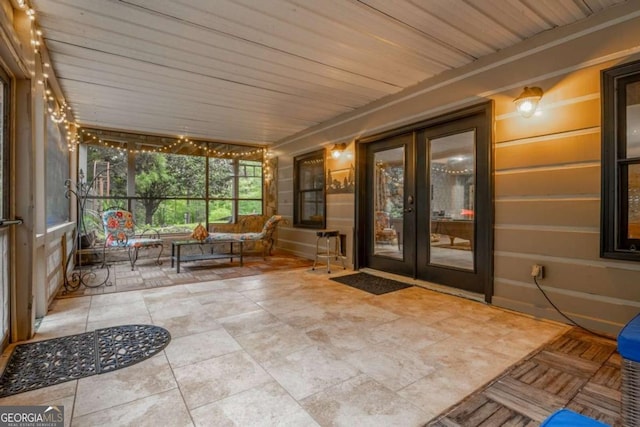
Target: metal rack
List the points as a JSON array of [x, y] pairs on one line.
[[80, 191], [330, 250]]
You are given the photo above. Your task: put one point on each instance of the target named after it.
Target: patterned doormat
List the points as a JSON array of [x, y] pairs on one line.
[[370, 283], [45, 363]]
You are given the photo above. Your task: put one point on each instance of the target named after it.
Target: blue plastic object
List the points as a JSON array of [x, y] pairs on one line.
[[567, 418], [629, 340]]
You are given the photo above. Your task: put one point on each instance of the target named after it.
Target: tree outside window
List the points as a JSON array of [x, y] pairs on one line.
[[172, 192]]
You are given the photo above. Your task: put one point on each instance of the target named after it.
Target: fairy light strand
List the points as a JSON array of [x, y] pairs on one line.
[[88, 137], [59, 110]]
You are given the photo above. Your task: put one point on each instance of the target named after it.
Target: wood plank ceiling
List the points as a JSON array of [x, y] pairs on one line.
[[257, 71]]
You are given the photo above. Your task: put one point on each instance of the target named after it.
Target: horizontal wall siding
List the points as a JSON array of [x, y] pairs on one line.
[[558, 242], [582, 146], [600, 314], [556, 181], [302, 241], [580, 276], [547, 209], [547, 168], [569, 212], [578, 114]]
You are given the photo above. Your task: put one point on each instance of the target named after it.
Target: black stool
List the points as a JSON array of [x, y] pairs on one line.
[[328, 252]]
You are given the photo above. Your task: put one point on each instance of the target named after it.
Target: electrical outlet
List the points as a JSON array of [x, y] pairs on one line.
[[537, 271]]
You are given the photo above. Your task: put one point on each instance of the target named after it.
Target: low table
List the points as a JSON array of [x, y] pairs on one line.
[[210, 253]]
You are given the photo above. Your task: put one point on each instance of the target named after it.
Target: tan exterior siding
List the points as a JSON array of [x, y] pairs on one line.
[[545, 181], [566, 243], [549, 212], [547, 168], [579, 147], [301, 241], [576, 114]]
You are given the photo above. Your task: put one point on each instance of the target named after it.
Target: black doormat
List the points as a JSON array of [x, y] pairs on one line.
[[45, 363], [370, 283]]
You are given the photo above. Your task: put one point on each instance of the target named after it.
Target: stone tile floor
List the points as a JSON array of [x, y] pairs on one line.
[[119, 277], [288, 347]]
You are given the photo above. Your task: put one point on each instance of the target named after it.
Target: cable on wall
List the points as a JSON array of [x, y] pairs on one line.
[[569, 319]]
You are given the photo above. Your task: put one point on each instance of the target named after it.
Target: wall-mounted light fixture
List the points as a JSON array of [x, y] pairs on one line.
[[527, 102], [337, 150]]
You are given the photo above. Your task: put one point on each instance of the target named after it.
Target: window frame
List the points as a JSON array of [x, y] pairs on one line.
[[234, 198], [298, 192], [614, 240], [5, 146]]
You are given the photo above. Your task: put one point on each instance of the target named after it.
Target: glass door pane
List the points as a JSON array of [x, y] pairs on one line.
[[452, 196], [388, 212]]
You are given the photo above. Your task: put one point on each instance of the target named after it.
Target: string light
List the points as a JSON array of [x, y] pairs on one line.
[[91, 137], [58, 110], [452, 171]]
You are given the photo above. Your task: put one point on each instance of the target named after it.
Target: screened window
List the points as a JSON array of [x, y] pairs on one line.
[[249, 187], [309, 190], [56, 173], [4, 145], [171, 191], [620, 234]]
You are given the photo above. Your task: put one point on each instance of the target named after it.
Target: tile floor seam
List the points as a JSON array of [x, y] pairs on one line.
[[338, 342], [126, 403], [184, 400]]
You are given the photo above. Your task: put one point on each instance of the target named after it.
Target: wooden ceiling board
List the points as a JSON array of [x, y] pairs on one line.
[[416, 15], [183, 95], [477, 22], [560, 12], [600, 5], [301, 35], [146, 72], [166, 107], [517, 16], [162, 32], [310, 92], [261, 71], [191, 127]]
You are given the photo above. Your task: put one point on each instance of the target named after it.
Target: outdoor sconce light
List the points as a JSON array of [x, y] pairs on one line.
[[527, 102], [337, 150]]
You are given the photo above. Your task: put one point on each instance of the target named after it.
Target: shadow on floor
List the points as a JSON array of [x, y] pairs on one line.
[[148, 275]]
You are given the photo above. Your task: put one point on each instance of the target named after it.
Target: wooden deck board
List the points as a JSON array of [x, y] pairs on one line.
[[578, 370], [498, 418], [524, 399], [464, 411], [568, 363]]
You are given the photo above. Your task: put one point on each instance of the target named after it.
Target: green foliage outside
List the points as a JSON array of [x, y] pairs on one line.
[[164, 184]]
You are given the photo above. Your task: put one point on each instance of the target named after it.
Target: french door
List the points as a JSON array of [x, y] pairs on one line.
[[391, 241], [425, 202]]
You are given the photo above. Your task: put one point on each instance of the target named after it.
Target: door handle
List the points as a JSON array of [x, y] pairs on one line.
[[407, 210], [8, 222]]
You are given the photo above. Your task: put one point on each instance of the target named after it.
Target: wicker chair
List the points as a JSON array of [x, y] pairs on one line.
[[384, 232]]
